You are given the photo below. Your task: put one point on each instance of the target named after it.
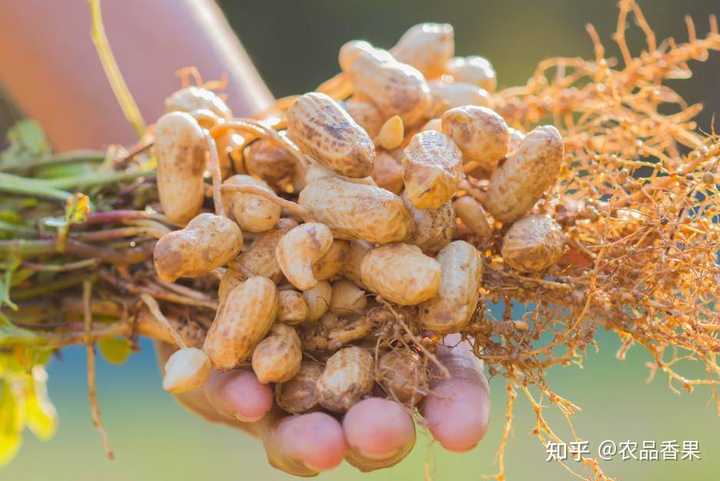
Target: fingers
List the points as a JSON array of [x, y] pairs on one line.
[[306, 444], [238, 394], [379, 433], [457, 409]]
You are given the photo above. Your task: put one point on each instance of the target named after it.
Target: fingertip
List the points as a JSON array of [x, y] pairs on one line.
[[240, 395], [378, 429], [315, 439], [457, 413]]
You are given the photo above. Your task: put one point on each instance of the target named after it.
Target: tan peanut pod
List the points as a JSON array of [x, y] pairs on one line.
[[277, 357], [180, 150], [269, 161], [452, 309], [318, 300], [356, 211], [395, 88], [299, 249], [388, 173], [186, 369], [524, 177], [190, 99], [207, 119], [533, 243], [365, 114], [347, 298], [205, 243], [300, 393], [391, 134], [229, 281], [480, 133], [474, 70], [433, 169], [253, 213], [474, 217], [229, 149], [433, 124], [401, 273], [292, 307], [427, 46], [259, 259], [433, 229], [331, 264], [353, 260], [331, 332], [403, 375], [516, 138], [448, 95], [241, 321], [327, 133], [347, 377]]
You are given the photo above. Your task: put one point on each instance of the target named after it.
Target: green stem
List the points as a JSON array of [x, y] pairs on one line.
[[58, 285], [14, 184], [64, 158], [16, 229], [99, 178]]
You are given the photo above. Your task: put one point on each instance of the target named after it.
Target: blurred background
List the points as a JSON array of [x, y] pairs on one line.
[[294, 45]]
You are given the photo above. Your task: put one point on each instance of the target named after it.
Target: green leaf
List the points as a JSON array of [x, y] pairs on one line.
[[11, 423], [40, 414], [11, 336], [6, 283], [115, 350], [27, 141]]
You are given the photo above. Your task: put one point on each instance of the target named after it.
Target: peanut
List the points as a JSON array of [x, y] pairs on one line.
[[347, 298], [516, 138], [433, 169], [180, 151], [326, 132], [452, 309], [229, 149], [473, 69], [190, 99], [427, 47], [186, 369], [292, 308], [269, 161], [401, 273], [259, 259], [403, 375], [524, 177], [433, 228], [353, 264], [356, 211], [299, 249], [206, 243], [474, 217], [300, 393], [533, 243], [480, 133], [448, 95], [365, 114], [242, 320], [333, 332], [318, 300], [395, 88], [229, 280], [252, 212], [348, 376], [432, 124], [330, 264], [277, 357], [388, 172], [391, 134]]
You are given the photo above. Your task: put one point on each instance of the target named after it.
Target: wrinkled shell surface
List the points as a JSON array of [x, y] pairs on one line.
[[269, 161], [348, 376], [533, 243], [191, 99], [474, 217], [318, 300], [347, 298], [277, 357], [331, 263], [259, 259], [364, 112], [448, 95], [300, 394], [388, 172], [473, 69], [292, 308], [252, 212], [299, 249], [402, 373], [433, 228], [480, 133], [186, 369], [427, 47]]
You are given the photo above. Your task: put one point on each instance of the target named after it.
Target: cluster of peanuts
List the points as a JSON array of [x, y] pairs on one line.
[[370, 202]]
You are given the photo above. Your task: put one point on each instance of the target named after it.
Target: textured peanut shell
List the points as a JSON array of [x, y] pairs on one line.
[[432, 169], [452, 309], [300, 393], [242, 320], [427, 47], [401, 273], [433, 229], [277, 357], [230, 153], [323, 130], [347, 298], [331, 263], [448, 95], [388, 172], [473, 216], [364, 112], [402, 374], [205, 243], [186, 369], [473, 69], [347, 377], [395, 88], [480, 133], [269, 161], [180, 151], [229, 280], [318, 300], [299, 249], [191, 99], [391, 134], [353, 261], [292, 308], [533, 243], [356, 211], [259, 259], [253, 213], [524, 177]]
